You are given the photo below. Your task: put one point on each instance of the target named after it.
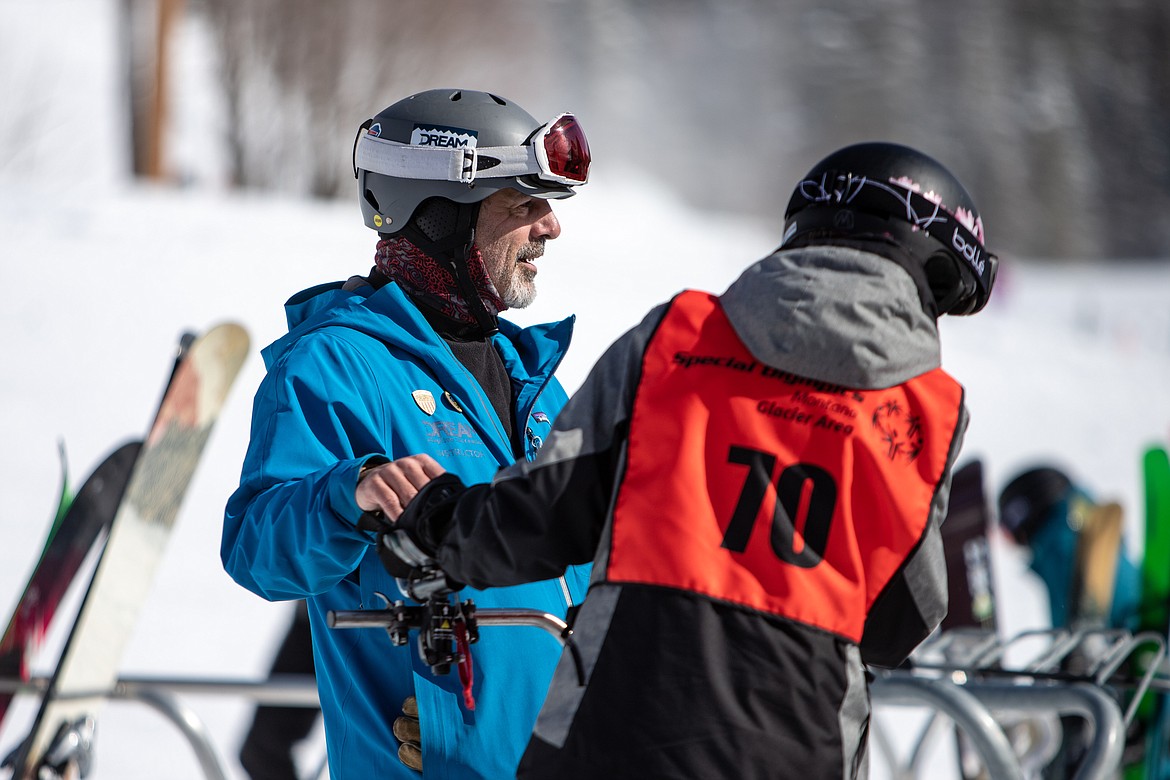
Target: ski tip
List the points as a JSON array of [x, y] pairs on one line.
[[228, 326], [202, 378], [228, 341], [227, 333], [1156, 457], [185, 341]]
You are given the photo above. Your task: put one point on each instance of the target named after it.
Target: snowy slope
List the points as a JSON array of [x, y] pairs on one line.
[[98, 279]]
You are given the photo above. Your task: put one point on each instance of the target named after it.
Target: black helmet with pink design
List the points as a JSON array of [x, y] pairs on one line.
[[900, 195]]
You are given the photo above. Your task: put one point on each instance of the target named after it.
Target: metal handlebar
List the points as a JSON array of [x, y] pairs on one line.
[[398, 619], [380, 618]]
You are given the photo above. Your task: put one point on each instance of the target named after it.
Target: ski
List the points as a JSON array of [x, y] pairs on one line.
[[64, 499], [1098, 554], [70, 541], [62, 731], [64, 496], [1156, 602], [78, 524]]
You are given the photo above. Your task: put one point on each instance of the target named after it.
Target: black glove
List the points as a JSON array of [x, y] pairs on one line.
[[411, 545]]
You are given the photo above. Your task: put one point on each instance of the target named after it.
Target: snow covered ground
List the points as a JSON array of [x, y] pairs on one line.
[[98, 278]]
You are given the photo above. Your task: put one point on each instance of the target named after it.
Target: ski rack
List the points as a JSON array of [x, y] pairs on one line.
[[969, 677], [983, 683], [162, 694]]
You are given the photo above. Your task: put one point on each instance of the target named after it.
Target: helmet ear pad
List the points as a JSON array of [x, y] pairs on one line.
[[952, 283]]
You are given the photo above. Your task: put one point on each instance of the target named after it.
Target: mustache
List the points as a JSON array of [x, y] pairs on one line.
[[531, 251]]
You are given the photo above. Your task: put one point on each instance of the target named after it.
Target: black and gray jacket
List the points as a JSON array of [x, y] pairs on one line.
[[683, 681]]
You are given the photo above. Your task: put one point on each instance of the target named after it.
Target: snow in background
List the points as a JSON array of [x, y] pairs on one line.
[[99, 277]]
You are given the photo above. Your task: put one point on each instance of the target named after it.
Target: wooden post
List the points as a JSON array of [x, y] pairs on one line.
[[168, 13]]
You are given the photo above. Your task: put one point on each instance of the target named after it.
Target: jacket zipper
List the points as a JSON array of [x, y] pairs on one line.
[[537, 443]]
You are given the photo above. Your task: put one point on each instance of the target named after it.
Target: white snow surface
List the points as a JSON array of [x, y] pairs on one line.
[[99, 277]]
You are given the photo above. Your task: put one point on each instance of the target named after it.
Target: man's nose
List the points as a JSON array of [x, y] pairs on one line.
[[548, 226]]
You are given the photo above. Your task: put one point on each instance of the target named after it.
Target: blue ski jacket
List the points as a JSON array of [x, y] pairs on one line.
[[344, 386]]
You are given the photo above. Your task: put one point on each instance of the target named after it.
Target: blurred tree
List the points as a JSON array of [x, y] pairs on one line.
[[1057, 114], [301, 75]]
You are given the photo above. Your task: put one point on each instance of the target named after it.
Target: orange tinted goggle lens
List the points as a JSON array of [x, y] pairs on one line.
[[567, 149]]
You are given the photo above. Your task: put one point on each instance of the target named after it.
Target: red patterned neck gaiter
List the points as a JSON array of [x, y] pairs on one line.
[[425, 280]]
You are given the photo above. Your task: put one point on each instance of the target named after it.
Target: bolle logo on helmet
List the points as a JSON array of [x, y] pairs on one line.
[[443, 137], [375, 130], [971, 251]]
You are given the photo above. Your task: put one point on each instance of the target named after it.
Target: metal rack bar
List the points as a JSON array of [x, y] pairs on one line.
[[960, 706]]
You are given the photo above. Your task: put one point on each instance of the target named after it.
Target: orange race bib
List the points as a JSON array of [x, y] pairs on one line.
[[754, 486]]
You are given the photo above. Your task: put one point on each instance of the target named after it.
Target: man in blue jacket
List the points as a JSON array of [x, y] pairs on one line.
[[388, 379]]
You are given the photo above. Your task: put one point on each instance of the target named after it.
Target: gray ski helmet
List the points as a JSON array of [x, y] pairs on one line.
[[895, 192], [456, 120]]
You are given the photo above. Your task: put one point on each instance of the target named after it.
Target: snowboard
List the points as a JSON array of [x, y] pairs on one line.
[[970, 589], [971, 597], [138, 534], [70, 540]]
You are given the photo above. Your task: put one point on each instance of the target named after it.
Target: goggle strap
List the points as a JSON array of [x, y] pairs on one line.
[[513, 161], [415, 162], [421, 162]]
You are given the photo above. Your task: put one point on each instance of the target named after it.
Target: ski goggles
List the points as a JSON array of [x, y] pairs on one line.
[[557, 152]]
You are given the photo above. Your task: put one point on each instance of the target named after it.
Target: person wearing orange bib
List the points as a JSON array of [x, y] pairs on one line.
[[758, 478]]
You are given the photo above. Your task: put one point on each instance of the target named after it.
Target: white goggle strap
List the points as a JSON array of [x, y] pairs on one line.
[[391, 158]]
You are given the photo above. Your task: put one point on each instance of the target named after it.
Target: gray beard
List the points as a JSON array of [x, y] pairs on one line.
[[521, 289]]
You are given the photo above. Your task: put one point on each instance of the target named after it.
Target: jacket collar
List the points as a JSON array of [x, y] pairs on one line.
[[530, 354]]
